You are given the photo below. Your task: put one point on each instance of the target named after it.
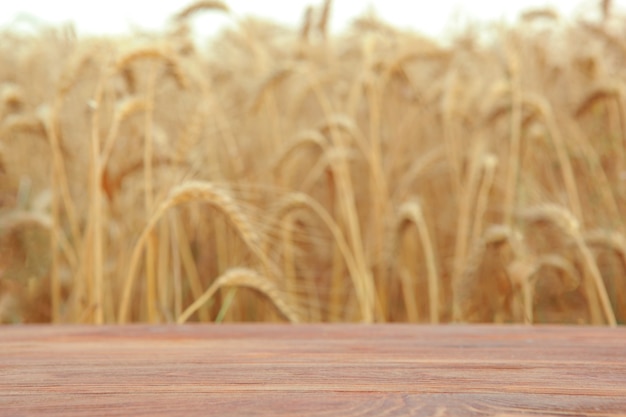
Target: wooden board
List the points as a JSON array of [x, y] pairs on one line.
[[321, 370]]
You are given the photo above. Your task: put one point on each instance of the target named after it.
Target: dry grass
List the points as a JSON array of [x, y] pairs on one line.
[[370, 176]]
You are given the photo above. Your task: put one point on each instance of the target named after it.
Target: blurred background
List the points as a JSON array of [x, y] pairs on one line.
[[362, 161], [434, 19]]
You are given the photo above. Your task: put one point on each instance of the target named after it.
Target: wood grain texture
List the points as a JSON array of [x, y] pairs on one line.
[[321, 370]]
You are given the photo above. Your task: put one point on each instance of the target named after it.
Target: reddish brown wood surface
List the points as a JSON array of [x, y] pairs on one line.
[[332, 370]]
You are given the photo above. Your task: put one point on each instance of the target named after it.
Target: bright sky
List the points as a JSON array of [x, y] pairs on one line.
[[429, 17]]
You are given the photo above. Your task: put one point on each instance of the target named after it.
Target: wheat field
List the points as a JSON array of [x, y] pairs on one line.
[[278, 174]]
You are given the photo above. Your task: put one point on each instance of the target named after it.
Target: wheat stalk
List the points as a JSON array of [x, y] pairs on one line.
[[542, 107], [193, 191], [600, 91], [524, 274], [123, 110], [270, 82], [305, 139], [162, 53], [358, 274], [609, 239], [420, 166], [72, 72], [60, 195], [570, 226], [322, 24], [244, 277], [467, 202], [307, 23], [199, 6], [489, 166], [486, 264], [567, 269], [411, 211], [346, 203]]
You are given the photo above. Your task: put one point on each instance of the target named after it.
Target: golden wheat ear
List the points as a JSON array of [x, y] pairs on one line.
[[165, 54], [218, 198], [200, 6], [569, 225], [488, 267], [244, 277]]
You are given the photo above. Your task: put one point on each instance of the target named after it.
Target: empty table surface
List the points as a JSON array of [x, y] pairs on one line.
[[333, 370]]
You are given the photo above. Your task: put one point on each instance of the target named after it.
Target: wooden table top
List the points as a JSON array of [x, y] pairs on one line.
[[321, 370]]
